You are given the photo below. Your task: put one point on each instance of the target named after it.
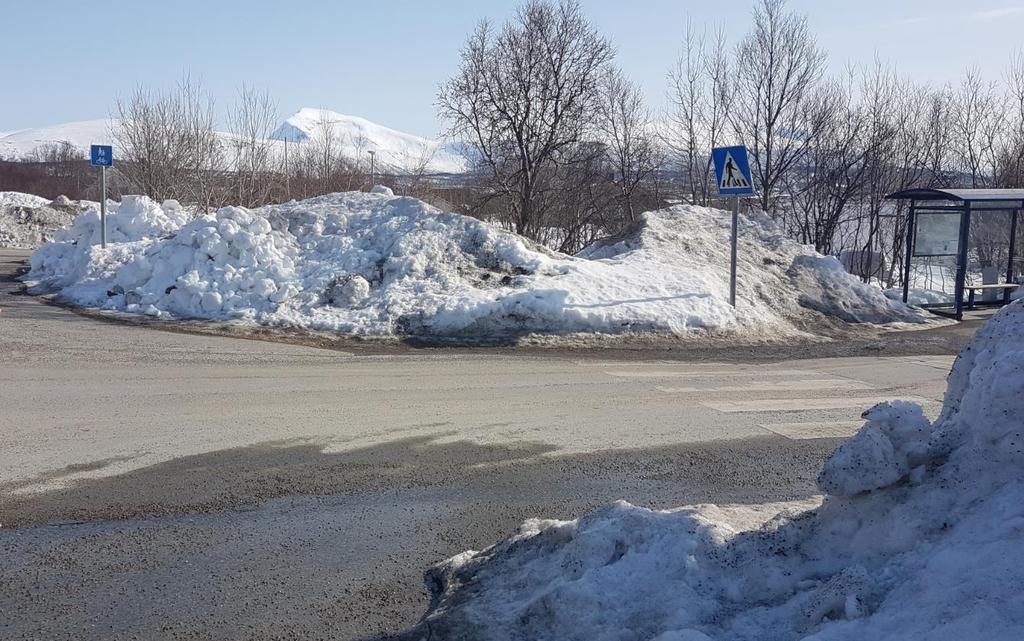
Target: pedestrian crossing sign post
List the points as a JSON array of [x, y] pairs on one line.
[[732, 173]]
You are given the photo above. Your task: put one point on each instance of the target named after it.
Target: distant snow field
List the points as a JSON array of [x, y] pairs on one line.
[[396, 151], [920, 536], [377, 264]]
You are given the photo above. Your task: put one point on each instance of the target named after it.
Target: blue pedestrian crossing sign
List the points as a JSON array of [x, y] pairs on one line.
[[732, 170], [101, 155]]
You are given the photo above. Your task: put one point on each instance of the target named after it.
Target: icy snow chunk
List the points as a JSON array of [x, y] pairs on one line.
[[984, 402], [382, 190], [348, 290], [893, 441], [211, 302], [865, 462], [825, 286]]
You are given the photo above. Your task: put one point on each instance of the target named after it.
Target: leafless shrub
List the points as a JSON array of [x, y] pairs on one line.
[[252, 120], [168, 145]]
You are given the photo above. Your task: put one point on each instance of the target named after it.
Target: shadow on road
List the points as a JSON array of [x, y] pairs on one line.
[[362, 525]]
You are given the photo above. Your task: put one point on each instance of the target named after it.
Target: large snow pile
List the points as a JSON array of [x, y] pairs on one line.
[[395, 151], [27, 221], [376, 264], [920, 536]]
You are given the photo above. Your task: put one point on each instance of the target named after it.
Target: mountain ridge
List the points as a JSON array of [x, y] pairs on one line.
[[395, 151]]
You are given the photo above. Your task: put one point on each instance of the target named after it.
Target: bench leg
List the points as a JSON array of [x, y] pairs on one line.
[[970, 299]]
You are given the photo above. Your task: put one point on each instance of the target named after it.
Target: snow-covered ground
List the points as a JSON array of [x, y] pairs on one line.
[[27, 221], [396, 151], [376, 264], [920, 536]]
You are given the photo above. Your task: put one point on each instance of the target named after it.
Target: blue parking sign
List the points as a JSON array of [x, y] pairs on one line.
[[101, 155], [732, 169]]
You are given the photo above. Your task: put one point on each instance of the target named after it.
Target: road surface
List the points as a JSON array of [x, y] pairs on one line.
[[159, 485]]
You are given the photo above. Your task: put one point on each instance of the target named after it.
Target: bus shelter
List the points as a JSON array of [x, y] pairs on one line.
[[961, 248]]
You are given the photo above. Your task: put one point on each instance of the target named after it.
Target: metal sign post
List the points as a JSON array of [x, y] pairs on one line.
[[733, 242], [732, 169], [102, 156]]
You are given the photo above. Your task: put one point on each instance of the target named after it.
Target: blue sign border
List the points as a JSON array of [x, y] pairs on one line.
[[739, 156], [101, 155]]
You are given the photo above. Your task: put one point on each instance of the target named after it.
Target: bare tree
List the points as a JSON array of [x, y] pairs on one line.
[[1011, 170], [627, 131], [977, 118], [415, 165], [832, 172], [324, 151], [778, 66], [523, 97], [65, 167], [698, 98], [168, 143], [252, 120]]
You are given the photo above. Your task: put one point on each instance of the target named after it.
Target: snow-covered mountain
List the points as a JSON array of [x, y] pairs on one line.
[[395, 150], [19, 145]]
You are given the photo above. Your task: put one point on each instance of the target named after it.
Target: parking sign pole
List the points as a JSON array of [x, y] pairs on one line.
[[102, 156], [103, 206], [732, 257]]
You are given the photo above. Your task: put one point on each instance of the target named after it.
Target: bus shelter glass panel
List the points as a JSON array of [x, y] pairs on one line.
[[933, 261], [988, 253], [1017, 269]]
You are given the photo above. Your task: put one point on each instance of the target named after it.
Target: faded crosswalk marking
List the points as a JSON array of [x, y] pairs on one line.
[[800, 431], [773, 386], [796, 404], [710, 374]]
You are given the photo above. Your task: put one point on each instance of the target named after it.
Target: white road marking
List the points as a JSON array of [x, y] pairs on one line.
[[796, 404], [774, 386], [712, 374], [800, 431]]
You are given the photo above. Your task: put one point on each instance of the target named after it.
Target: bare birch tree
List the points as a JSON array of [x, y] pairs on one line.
[[778, 67], [627, 132], [698, 99], [523, 96]]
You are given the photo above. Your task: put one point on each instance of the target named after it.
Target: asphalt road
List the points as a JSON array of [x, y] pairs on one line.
[[161, 485]]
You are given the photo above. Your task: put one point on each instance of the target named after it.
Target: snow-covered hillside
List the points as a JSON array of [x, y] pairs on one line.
[[921, 536], [27, 221], [19, 145], [376, 264], [395, 151]]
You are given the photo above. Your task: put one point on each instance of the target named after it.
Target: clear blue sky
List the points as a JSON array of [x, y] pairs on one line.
[[67, 60]]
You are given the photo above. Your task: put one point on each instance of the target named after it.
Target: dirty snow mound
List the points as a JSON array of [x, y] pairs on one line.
[[27, 221], [376, 264], [920, 536]]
